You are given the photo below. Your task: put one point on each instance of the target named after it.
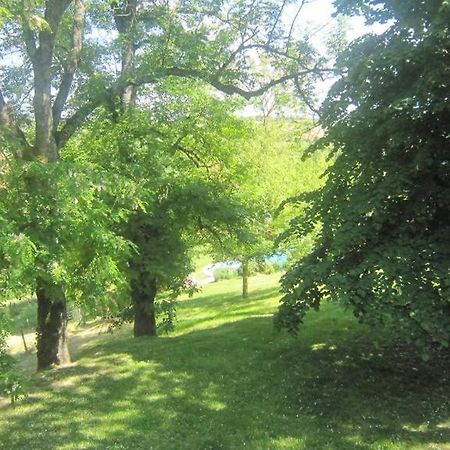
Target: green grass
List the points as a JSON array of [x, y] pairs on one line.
[[225, 380], [23, 315], [200, 262]]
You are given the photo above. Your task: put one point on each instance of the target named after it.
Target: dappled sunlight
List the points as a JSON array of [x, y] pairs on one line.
[[16, 345], [225, 369], [318, 346], [323, 346]]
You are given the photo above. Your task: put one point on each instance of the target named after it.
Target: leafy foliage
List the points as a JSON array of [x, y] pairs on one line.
[[57, 228], [170, 182], [81, 58], [385, 209], [273, 170]]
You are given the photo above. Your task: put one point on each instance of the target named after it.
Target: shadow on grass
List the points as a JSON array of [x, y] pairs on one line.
[[236, 386]]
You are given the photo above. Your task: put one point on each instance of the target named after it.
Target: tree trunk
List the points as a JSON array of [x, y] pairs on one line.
[[52, 347], [40, 44], [125, 19], [245, 278], [143, 295]]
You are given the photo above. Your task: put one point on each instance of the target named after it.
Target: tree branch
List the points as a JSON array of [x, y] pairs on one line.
[[275, 51], [269, 39], [42, 60], [77, 119], [229, 88], [177, 146], [5, 115], [211, 230], [305, 98], [294, 20], [28, 35], [191, 155], [125, 20], [54, 12], [236, 52], [103, 97], [72, 64]]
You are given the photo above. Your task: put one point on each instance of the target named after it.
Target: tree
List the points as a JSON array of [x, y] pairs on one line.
[[66, 52], [56, 229], [180, 165], [385, 208], [274, 171]]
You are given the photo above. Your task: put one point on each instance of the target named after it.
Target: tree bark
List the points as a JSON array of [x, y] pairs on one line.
[[52, 349], [143, 287], [125, 20], [45, 138], [245, 278], [143, 294], [52, 346], [71, 63]]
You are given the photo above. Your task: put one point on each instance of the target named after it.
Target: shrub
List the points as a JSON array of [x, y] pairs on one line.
[[225, 273]]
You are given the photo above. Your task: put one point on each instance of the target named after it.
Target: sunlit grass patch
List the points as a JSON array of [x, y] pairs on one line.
[[226, 380]]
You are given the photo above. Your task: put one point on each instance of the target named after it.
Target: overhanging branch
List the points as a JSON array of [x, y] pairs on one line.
[[230, 89], [78, 118]]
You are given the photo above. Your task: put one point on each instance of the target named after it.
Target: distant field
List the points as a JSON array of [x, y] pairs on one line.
[[200, 263], [225, 380]]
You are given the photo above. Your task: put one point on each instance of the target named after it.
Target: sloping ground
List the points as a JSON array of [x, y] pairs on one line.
[[225, 380]]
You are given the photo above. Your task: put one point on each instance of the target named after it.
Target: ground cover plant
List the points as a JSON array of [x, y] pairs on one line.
[[224, 379]]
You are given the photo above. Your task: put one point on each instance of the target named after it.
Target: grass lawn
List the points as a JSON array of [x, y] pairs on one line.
[[225, 380], [200, 262]]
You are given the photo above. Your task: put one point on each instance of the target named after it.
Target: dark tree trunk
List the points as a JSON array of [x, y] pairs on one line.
[[52, 347], [245, 278], [143, 295]]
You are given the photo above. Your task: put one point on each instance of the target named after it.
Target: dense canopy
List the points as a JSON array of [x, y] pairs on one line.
[[385, 209]]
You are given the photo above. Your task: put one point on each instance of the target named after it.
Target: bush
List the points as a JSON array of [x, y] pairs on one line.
[[225, 273]]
